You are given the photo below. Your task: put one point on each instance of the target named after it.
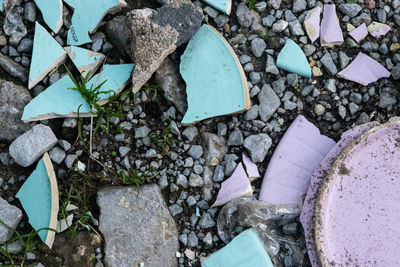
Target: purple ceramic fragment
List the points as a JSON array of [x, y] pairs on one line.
[[331, 34], [311, 23], [299, 152], [364, 70], [357, 212], [307, 212], [378, 29], [359, 33], [251, 168], [238, 185]]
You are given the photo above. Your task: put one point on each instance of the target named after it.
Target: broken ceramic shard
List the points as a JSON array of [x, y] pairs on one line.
[[47, 54], [296, 157], [64, 224], [52, 12], [331, 34], [307, 212], [250, 168], [39, 198], [358, 203], [85, 60], [246, 249], [222, 5], [56, 101], [292, 59], [116, 77], [238, 185], [216, 83], [378, 29], [364, 70], [87, 16], [1, 5], [312, 23], [359, 33]]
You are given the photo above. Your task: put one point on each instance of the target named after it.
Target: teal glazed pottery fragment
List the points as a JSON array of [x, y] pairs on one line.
[[52, 12], [1, 5], [56, 101], [87, 16], [292, 59], [216, 84], [85, 60], [244, 250], [39, 198], [47, 54], [221, 5]]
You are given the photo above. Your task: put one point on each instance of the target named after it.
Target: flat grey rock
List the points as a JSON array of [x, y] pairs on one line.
[[137, 228], [30, 146], [257, 146], [13, 68], [11, 216]]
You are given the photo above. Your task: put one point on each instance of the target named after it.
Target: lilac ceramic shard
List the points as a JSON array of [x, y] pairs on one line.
[[358, 204], [364, 70], [331, 34], [307, 212], [298, 154], [250, 167], [378, 29], [359, 33], [312, 23], [238, 185]]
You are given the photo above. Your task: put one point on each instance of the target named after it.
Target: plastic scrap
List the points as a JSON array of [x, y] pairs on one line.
[[364, 70], [267, 220], [378, 29], [244, 250], [312, 23], [222, 5], [238, 185], [52, 12], [39, 198], [296, 157], [85, 60], [216, 83], [359, 33], [87, 16], [292, 59], [47, 54], [331, 34]]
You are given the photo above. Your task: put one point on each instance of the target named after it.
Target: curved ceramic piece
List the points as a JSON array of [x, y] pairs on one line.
[[364, 70], [47, 54], [87, 17], [85, 60], [359, 33], [311, 23], [292, 59], [358, 205], [216, 83], [378, 29], [222, 5], [331, 33], [297, 155], [250, 167], [52, 12], [244, 250], [238, 185], [307, 212], [39, 198]]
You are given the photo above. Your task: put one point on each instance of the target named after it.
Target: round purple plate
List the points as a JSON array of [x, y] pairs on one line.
[[357, 214]]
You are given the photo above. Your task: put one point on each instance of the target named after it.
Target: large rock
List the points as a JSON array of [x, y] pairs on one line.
[[13, 99], [13, 68], [30, 146], [269, 102], [119, 33], [10, 216], [172, 84], [137, 227], [151, 44], [257, 145]]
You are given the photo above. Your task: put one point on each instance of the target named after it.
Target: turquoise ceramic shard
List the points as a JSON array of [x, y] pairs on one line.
[[222, 5], [244, 250], [216, 84], [55, 102], [292, 59], [85, 60], [116, 77], [1, 5], [87, 16], [47, 54], [39, 198], [52, 12]]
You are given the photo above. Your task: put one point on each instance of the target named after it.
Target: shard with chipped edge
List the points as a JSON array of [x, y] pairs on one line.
[[222, 5], [292, 59], [52, 12], [250, 168], [312, 23], [359, 33], [378, 29], [331, 34], [85, 60]]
